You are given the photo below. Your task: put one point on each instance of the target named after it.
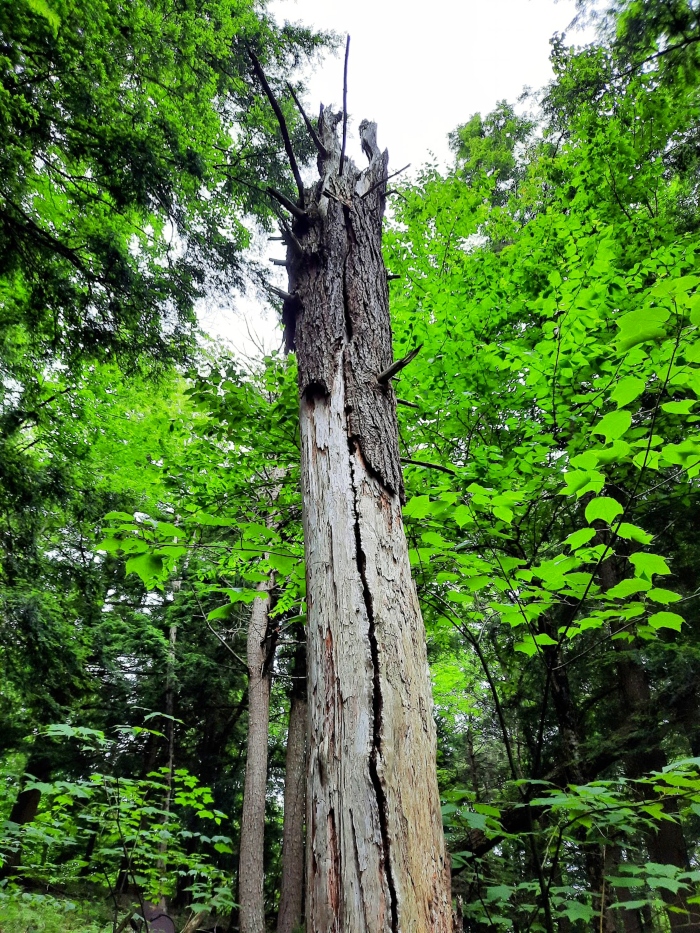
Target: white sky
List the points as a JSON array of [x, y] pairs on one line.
[[418, 71]]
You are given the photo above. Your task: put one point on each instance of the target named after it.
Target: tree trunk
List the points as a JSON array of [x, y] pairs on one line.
[[292, 890], [251, 868], [375, 848]]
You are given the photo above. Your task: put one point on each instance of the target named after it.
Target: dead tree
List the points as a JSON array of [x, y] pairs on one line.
[[375, 849]]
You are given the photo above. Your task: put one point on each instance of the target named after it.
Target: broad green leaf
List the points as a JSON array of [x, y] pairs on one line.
[[613, 425], [627, 390], [527, 646], [663, 596], [679, 408], [633, 533], [666, 620], [149, 568], [646, 565], [640, 326], [604, 509], [626, 588], [504, 513], [580, 537]]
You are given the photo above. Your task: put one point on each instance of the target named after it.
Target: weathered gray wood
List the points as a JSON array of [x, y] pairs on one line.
[[375, 849]]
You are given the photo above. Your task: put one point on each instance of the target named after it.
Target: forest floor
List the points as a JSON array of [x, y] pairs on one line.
[[47, 915]]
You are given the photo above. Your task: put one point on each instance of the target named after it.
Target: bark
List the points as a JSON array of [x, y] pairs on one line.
[[292, 889], [375, 848], [251, 867]]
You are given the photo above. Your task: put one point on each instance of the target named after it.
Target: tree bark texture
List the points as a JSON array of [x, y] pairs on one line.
[[251, 866], [292, 889], [375, 848]]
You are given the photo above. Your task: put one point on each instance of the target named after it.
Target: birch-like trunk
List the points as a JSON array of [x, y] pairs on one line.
[[375, 849], [251, 867]]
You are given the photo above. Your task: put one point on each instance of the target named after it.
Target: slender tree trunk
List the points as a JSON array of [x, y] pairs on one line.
[[292, 890], [170, 738], [375, 849], [251, 868]]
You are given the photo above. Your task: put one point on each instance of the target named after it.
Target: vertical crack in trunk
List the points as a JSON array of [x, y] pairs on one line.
[[380, 794]]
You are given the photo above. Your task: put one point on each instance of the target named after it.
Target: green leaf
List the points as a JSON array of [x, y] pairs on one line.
[[626, 588], [663, 596], [149, 568], [613, 425], [504, 513], [417, 507], [646, 565], [527, 646], [640, 326], [43, 9], [627, 390], [666, 620], [633, 533], [604, 509], [679, 408], [580, 537]]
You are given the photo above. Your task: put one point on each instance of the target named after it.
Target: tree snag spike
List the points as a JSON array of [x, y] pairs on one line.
[[279, 262], [345, 105], [309, 125], [282, 124], [396, 367], [384, 180], [293, 208], [281, 293], [376, 859]]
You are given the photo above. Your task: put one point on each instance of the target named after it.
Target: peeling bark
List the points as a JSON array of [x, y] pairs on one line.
[[375, 849]]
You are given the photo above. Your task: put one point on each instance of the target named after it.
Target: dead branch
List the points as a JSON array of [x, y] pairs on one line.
[[398, 365], [282, 124], [345, 106], [309, 125]]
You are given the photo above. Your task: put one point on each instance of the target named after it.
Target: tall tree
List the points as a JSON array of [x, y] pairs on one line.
[[375, 851]]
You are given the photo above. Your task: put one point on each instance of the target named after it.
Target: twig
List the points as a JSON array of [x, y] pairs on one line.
[[403, 401], [282, 124], [398, 365], [279, 262], [384, 180], [345, 106], [309, 125], [392, 276], [431, 466]]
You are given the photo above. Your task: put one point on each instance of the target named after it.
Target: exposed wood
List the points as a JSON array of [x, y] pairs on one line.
[[375, 849]]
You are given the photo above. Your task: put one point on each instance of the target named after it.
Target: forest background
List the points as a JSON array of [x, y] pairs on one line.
[[150, 480]]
